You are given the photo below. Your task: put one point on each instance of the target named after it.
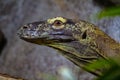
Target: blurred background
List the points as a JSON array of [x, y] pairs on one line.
[[34, 62]]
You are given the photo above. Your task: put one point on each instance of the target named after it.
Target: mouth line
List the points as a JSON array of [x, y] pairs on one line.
[[48, 39]]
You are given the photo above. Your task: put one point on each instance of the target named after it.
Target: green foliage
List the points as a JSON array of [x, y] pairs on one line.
[[113, 72], [110, 69], [109, 12]]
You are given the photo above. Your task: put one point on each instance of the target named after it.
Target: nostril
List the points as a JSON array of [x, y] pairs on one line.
[[25, 27]]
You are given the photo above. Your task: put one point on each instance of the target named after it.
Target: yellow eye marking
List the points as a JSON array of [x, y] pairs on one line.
[[52, 20], [58, 27], [57, 22]]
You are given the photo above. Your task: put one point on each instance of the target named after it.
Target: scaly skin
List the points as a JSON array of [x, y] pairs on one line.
[[79, 41]]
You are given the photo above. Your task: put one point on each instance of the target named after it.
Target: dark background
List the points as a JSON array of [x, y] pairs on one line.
[[35, 62]]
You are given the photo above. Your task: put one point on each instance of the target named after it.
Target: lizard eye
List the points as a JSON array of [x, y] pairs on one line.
[[58, 24]]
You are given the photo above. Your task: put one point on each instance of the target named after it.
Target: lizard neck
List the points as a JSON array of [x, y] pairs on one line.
[[106, 45], [78, 53], [97, 40]]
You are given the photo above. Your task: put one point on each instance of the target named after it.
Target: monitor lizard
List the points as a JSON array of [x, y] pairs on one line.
[[79, 41]]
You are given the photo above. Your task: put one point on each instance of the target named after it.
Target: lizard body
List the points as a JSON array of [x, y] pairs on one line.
[[79, 41]]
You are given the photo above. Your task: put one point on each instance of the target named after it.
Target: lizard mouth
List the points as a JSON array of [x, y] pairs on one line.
[[47, 38]]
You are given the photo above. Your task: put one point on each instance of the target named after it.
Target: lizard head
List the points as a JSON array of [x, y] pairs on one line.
[[53, 30], [63, 34]]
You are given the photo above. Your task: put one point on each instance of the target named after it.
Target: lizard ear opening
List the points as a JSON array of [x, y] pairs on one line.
[[84, 35]]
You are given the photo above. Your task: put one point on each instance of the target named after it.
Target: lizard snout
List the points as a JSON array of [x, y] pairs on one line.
[[27, 32], [21, 30]]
